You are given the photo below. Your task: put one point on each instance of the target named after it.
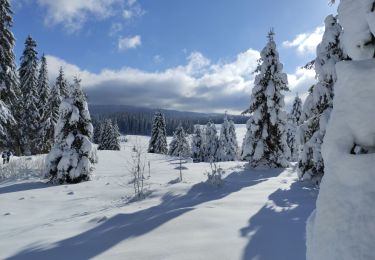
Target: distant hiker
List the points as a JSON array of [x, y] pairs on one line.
[[4, 156], [9, 154]]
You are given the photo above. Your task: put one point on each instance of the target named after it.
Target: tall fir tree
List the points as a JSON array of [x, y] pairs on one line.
[[9, 89], [228, 146], [318, 105], [268, 146], [197, 144], [179, 145], [44, 138], [29, 121], [211, 143], [158, 141], [73, 155], [293, 123]]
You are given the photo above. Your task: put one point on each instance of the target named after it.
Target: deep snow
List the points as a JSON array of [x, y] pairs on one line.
[[256, 215]]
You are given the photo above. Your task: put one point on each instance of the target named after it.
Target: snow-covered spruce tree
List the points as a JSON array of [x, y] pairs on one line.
[[197, 144], [62, 84], [179, 145], [228, 146], [73, 155], [109, 139], [268, 147], [346, 204], [9, 90], [292, 125], [158, 141], [318, 104], [44, 136], [29, 121], [211, 143]]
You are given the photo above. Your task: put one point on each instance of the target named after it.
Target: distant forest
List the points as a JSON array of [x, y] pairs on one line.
[[138, 121]]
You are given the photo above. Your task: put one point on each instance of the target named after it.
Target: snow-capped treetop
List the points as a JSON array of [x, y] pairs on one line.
[[62, 84], [358, 19]]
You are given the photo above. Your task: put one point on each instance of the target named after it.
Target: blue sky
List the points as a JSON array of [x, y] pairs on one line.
[[198, 48]]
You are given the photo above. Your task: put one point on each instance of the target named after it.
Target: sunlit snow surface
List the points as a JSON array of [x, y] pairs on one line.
[[255, 215]]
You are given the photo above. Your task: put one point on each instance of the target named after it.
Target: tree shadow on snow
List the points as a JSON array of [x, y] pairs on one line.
[[277, 231], [125, 226], [23, 187]]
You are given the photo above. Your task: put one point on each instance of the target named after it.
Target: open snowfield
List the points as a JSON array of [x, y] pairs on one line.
[[257, 214]]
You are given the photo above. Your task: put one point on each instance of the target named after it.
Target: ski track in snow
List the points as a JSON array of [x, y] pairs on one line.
[[257, 214]]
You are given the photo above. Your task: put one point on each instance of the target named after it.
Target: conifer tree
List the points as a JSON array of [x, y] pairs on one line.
[[55, 102], [179, 145], [211, 143], [98, 131], [109, 139], [9, 89], [318, 105], [62, 84], [247, 143], [158, 141], [73, 155], [197, 144], [29, 121], [268, 147], [8, 74], [293, 123], [44, 138], [228, 146]]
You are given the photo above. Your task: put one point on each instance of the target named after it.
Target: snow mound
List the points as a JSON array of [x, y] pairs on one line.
[[346, 206]]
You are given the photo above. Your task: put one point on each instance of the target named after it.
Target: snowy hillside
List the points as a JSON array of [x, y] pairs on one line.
[[255, 215]]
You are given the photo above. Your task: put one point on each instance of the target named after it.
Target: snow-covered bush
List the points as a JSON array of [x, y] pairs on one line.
[[73, 155], [214, 178], [137, 170], [22, 168], [266, 144]]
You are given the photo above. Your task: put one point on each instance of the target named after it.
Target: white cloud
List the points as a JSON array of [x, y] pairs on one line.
[[299, 83], [129, 42], [133, 10], [73, 14], [306, 42], [199, 85], [115, 29], [158, 59]]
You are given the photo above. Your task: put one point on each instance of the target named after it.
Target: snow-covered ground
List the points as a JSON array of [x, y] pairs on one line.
[[255, 215]]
